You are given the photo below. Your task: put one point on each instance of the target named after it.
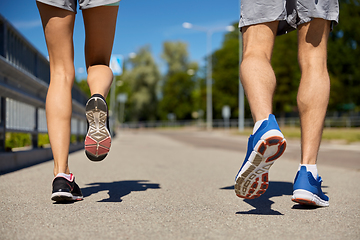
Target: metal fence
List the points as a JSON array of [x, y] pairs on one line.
[[343, 121], [24, 80]]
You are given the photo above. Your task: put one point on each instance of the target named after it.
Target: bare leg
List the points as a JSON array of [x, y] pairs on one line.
[[256, 73], [257, 76], [314, 89], [98, 46], [58, 27]]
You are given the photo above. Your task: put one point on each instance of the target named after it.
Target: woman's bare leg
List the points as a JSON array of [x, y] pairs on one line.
[[58, 27], [98, 46]]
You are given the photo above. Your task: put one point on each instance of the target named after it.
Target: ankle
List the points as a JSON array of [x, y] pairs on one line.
[[61, 170], [310, 168], [258, 124]]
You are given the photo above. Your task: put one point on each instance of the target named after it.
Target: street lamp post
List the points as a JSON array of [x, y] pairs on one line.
[[241, 122], [122, 98], [209, 113], [209, 32], [116, 62]]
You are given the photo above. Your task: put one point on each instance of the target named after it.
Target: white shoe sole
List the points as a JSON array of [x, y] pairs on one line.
[[252, 181], [65, 196], [308, 198]]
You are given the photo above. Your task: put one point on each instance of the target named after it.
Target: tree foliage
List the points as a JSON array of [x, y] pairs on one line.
[[176, 57], [178, 84], [142, 78], [287, 71], [226, 75], [343, 58], [177, 96], [83, 85]]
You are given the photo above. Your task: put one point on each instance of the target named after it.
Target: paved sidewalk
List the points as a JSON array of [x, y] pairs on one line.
[[152, 186]]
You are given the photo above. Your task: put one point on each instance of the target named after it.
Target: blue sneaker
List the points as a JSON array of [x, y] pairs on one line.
[[307, 189], [265, 146]]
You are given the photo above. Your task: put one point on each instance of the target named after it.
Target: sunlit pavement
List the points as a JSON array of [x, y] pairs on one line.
[[179, 185]]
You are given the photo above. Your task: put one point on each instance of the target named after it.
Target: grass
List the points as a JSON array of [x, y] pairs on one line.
[[16, 140], [348, 135], [43, 139]]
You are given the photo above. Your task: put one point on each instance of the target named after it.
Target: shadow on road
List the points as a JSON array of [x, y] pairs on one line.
[[118, 189], [304, 207], [263, 203]]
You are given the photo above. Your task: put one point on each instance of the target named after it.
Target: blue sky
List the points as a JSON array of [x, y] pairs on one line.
[[140, 23]]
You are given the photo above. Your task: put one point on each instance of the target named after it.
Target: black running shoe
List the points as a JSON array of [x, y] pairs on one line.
[[98, 137], [65, 190]]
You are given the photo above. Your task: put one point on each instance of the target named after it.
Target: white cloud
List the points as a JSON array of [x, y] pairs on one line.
[[27, 24], [180, 30]]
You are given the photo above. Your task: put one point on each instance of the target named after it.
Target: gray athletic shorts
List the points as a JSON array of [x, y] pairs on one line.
[[71, 5], [289, 13]]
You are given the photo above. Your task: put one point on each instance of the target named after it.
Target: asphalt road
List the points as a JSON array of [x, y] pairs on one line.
[[337, 155], [179, 185]]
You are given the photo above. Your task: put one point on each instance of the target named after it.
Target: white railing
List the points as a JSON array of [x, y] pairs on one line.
[[345, 121], [24, 80]]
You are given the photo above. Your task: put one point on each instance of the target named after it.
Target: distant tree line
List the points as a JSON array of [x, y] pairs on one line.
[[181, 92]]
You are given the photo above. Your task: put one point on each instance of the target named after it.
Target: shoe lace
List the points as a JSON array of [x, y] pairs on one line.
[[320, 180]]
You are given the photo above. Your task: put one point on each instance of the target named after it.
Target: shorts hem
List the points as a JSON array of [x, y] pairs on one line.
[[99, 5], [334, 18], [243, 23], [328, 17], [57, 5]]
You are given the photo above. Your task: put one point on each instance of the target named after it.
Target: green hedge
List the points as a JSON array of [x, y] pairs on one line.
[[15, 140]]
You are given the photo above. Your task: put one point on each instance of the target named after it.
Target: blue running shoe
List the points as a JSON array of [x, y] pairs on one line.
[[265, 146], [307, 189]]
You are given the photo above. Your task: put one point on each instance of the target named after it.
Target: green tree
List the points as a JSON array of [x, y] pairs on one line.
[[285, 65], [179, 83], [176, 57], [142, 78], [226, 75], [343, 58], [177, 96], [83, 85], [123, 86]]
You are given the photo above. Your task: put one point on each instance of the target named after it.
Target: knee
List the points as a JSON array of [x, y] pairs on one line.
[[313, 65], [254, 59], [63, 75], [312, 58], [258, 54], [97, 59]]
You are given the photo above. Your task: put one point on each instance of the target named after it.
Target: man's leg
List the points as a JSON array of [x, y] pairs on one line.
[[58, 27], [256, 73], [267, 143], [313, 98], [314, 89], [98, 47]]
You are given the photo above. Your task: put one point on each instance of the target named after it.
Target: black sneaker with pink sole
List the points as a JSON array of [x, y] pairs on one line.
[[98, 137], [65, 189]]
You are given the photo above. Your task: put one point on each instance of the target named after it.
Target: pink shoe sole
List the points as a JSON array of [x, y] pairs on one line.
[[97, 148], [98, 138]]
